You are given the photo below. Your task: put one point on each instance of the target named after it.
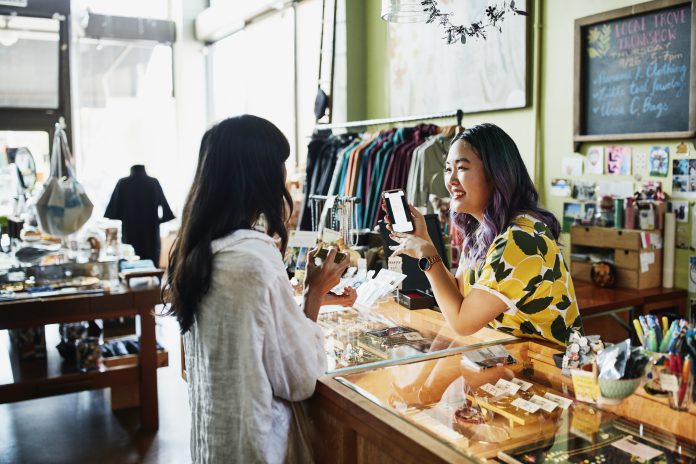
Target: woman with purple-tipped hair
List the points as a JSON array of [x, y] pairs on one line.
[[512, 275]]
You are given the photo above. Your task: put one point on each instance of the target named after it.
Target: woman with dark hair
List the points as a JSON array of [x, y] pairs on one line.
[[512, 274], [250, 350]]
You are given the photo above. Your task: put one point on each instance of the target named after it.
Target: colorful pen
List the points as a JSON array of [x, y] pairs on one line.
[[639, 331]]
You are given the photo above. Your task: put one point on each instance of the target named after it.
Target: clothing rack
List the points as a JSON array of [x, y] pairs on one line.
[[388, 121]]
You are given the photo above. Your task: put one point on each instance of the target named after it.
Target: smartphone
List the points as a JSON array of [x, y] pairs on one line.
[[399, 213], [324, 252]]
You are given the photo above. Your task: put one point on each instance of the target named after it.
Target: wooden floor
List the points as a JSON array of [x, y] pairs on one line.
[[80, 428]]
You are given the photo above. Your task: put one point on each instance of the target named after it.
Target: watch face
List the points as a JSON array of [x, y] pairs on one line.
[[423, 264]]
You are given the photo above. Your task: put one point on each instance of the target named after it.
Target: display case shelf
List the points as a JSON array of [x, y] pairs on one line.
[[436, 397], [356, 340]]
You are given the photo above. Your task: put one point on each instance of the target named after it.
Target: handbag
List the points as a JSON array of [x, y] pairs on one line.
[[62, 207]]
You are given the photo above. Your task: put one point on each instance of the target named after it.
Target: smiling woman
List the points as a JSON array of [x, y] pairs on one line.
[[512, 274]]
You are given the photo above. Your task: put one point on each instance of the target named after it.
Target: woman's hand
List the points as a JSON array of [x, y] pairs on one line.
[[419, 226], [346, 299], [411, 245], [321, 278]]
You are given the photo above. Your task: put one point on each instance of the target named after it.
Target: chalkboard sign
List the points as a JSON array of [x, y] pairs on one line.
[[636, 73]]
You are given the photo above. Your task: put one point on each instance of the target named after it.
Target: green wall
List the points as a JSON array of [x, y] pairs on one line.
[[557, 103], [520, 124], [544, 130]]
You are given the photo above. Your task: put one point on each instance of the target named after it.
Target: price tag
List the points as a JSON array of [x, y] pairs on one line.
[[526, 405], [585, 385], [643, 452], [330, 236], [545, 404], [508, 386], [523, 385], [559, 400], [492, 390], [413, 336]]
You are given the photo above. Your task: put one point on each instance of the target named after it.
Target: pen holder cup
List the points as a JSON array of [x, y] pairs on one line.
[[615, 391], [680, 399]]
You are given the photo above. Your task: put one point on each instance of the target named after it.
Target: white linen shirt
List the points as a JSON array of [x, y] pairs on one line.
[[250, 351]]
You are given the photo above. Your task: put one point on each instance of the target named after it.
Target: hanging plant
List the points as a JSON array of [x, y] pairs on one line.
[[454, 33]]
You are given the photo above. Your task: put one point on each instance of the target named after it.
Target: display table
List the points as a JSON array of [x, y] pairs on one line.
[[40, 378]]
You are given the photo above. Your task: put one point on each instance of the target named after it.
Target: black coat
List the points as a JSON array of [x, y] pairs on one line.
[[136, 201]]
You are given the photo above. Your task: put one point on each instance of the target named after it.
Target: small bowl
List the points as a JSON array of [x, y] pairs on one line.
[[615, 391]]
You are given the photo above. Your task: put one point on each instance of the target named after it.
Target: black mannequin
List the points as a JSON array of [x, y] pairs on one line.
[[135, 201]]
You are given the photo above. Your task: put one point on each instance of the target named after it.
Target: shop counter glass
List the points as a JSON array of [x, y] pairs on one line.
[[391, 334], [521, 412]]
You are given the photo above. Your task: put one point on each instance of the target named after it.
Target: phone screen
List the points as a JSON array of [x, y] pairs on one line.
[[398, 211]]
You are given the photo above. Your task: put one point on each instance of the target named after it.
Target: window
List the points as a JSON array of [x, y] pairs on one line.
[[256, 71], [252, 72], [157, 9], [29, 53], [126, 115]]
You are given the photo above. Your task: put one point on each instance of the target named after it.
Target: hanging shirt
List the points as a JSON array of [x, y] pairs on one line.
[[136, 201], [250, 352], [428, 176], [524, 267]]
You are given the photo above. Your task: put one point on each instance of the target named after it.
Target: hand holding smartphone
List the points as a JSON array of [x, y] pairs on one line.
[[399, 212]]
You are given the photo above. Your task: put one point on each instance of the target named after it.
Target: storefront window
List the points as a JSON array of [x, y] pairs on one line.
[[29, 52], [126, 115], [157, 9], [252, 72]]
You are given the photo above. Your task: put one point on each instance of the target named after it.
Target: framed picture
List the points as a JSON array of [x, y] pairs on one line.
[[623, 89], [427, 76]]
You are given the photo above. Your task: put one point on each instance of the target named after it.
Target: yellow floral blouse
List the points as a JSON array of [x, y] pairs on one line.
[[524, 267]]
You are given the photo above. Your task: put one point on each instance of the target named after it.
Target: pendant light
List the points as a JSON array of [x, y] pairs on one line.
[[403, 11]]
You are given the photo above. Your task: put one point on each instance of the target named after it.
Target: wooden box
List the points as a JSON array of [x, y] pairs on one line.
[[636, 267], [604, 237]]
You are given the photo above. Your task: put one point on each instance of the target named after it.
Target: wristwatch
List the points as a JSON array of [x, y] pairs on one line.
[[426, 262]]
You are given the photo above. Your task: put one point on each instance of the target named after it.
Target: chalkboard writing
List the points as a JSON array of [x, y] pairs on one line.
[[636, 73]]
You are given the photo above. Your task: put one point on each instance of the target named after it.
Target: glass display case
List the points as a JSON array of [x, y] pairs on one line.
[[516, 413], [389, 334]]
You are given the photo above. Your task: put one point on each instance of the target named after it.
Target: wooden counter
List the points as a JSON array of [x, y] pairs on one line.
[[356, 424]]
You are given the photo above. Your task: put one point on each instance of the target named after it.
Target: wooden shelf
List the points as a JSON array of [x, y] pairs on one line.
[[37, 378]]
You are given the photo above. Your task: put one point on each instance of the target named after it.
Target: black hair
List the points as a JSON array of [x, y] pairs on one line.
[[513, 191], [240, 178]]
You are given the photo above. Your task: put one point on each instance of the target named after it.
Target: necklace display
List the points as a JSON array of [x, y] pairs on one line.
[[340, 217]]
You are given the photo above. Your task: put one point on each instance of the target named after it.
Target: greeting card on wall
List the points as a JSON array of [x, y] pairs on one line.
[[684, 178], [681, 210], [619, 160], [595, 160], [560, 188], [572, 166], [659, 161], [640, 162], [682, 149]]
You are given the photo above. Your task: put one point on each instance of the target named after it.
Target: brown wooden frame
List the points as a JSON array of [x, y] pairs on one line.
[[578, 89]]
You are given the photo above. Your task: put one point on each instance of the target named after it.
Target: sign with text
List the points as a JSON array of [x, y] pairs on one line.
[[636, 72]]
